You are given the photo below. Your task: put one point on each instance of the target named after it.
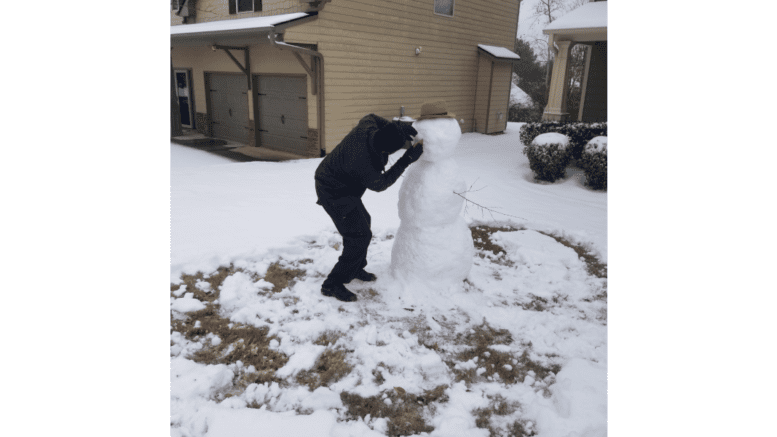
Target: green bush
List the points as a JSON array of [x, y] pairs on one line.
[[594, 163], [579, 133], [548, 156]]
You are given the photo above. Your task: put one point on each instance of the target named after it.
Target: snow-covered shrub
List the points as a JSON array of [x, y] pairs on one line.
[[579, 133], [548, 156], [594, 163]]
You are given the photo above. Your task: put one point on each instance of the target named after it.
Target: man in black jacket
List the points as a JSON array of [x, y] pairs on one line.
[[356, 164]]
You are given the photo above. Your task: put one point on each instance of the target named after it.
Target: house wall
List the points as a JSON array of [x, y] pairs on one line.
[[214, 10], [595, 105], [370, 65]]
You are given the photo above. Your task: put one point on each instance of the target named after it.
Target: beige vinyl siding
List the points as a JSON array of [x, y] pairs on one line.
[[370, 65], [214, 10]]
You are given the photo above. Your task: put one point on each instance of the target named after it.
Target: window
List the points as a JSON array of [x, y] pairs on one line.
[[176, 4], [240, 6], [443, 7]]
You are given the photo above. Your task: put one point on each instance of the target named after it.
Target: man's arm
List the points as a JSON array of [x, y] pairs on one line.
[[375, 181]]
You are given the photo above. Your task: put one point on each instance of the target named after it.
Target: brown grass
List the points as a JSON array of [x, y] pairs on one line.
[[594, 267], [500, 407], [536, 304], [249, 344], [331, 366], [282, 277], [481, 236], [405, 413], [239, 342], [215, 280], [504, 365]]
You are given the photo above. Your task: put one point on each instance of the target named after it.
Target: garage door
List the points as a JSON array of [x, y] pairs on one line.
[[283, 113], [229, 106]]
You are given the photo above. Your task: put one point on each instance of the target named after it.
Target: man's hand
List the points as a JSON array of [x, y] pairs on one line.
[[408, 131], [413, 153]]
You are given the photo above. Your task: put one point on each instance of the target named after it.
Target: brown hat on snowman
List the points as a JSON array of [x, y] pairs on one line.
[[435, 110]]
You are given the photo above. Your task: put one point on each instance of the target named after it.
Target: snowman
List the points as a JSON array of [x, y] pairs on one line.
[[433, 248]]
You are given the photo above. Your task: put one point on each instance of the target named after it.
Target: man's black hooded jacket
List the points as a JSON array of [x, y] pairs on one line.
[[355, 165]]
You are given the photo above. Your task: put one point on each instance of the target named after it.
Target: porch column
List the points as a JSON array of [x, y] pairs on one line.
[[556, 110]]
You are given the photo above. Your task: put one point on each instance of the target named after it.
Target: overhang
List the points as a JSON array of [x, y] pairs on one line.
[[499, 53], [238, 32], [586, 23]]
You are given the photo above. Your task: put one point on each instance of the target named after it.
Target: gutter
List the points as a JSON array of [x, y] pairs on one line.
[[316, 69]]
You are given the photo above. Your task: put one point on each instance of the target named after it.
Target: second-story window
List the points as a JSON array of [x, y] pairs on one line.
[[240, 6], [443, 7]]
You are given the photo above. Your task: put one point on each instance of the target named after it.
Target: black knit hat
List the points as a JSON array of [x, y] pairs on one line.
[[390, 138]]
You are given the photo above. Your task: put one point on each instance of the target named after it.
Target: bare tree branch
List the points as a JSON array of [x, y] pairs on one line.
[[491, 211]]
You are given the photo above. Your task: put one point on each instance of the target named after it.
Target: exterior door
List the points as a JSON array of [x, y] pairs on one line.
[[184, 91], [229, 106], [283, 113]]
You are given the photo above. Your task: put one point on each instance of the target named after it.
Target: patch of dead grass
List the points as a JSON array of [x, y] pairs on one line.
[[594, 267], [238, 342], [215, 280], [481, 236], [328, 338], [502, 366], [404, 411], [331, 366], [281, 277], [248, 344], [537, 303], [499, 406]]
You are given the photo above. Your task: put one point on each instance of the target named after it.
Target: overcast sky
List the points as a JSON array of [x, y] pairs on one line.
[[527, 28]]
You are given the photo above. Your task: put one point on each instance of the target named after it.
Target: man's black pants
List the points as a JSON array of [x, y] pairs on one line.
[[354, 226]]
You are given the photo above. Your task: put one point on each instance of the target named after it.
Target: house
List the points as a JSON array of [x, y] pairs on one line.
[[584, 25], [297, 75]]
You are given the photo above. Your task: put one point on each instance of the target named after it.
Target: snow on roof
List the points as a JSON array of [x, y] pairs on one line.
[[499, 52], [518, 96], [590, 15], [239, 24]]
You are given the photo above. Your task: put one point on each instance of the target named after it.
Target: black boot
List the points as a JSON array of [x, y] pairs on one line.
[[365, 276], [339, 292]]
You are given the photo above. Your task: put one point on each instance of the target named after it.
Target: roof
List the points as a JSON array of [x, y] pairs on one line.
[[237, 30], [588, 16], [254, 23], [499, 52]]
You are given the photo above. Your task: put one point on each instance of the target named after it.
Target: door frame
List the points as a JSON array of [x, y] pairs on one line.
[[209, 103], [255, 91], [189, 77]]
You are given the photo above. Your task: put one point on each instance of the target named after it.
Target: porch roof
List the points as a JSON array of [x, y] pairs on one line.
[[590, 16], [500, 53], [241, 31]]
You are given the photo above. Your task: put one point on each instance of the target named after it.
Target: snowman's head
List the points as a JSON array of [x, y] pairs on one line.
[[440, 135]]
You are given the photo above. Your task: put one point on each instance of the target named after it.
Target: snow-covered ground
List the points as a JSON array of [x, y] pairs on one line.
[[254, 214]]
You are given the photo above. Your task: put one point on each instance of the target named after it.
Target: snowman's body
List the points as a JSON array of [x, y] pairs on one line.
[[433, 246]]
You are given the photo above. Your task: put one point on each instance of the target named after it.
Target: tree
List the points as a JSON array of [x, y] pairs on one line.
[[530, 74], [545, 12]]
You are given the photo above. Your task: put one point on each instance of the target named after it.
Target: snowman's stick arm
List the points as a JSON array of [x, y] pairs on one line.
[[485, 207]]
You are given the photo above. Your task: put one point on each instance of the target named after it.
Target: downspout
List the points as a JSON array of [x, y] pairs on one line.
[[317, 66]]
